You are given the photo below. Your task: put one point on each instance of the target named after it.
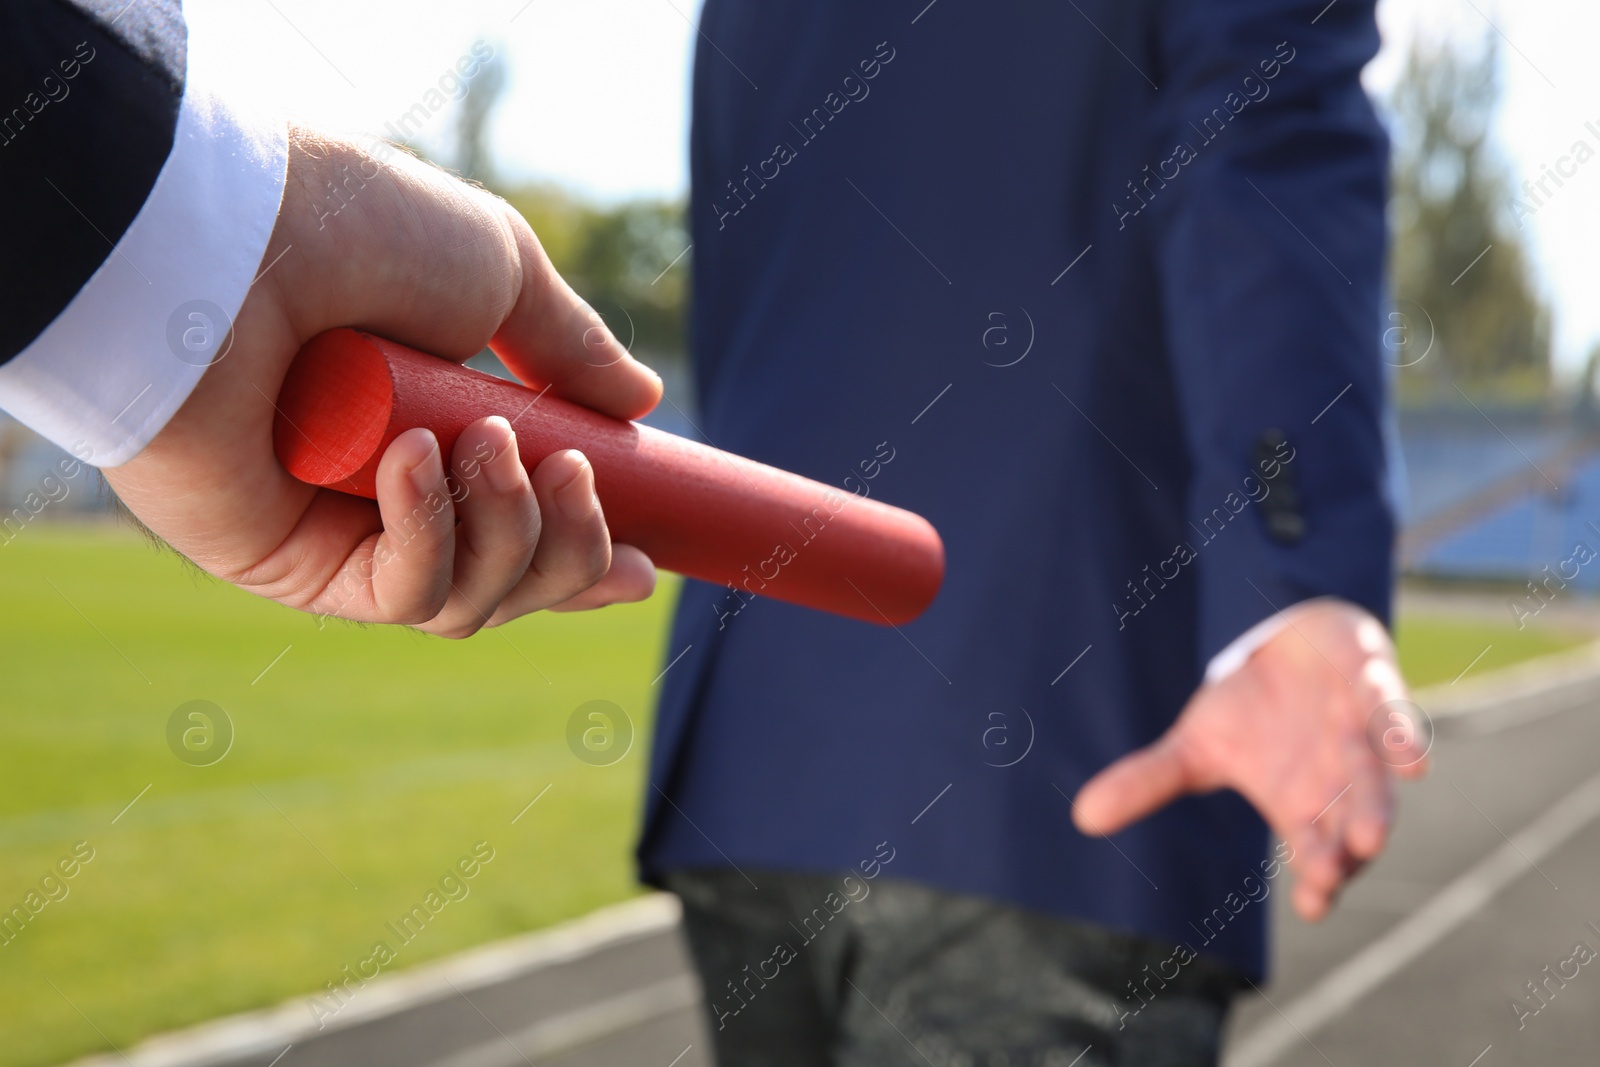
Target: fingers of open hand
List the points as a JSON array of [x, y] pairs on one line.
[[1364, 825], [1375, 735], [1349, 830], [1318, 873], [1326, 860]]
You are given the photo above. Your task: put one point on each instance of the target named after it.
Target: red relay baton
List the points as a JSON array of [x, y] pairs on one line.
[[691, 508]]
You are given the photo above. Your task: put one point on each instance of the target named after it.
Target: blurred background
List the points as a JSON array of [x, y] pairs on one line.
[[246, 856]]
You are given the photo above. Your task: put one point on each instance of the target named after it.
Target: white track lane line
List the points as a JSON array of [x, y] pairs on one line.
[[1453, 905]]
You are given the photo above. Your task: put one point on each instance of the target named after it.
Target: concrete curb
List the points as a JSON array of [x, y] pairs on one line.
[[268, 1031]]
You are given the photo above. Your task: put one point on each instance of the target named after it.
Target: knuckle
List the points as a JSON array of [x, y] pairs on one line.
[[596, 564], [584, 573], [424, 608], [458, 631], [535, 524]]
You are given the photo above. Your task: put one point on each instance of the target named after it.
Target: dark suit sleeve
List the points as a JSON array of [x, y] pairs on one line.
[[140, 193], [90, 94], [1271, 243]]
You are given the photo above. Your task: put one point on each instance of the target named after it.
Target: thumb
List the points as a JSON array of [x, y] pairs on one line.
[[1136, 785], [432, 262], [551, 337]]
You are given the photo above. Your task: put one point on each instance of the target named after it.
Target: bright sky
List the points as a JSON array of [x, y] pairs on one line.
[[597, 90], [1552, 88], [598, 94]]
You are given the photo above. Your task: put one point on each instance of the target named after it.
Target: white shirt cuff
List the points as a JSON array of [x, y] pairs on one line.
[[110, 371], [1241, 648]]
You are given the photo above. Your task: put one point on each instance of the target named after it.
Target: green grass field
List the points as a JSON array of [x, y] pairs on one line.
[[366, 762], [1438, 648]]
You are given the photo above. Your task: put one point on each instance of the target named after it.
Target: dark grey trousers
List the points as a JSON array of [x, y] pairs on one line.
[[818, 971]]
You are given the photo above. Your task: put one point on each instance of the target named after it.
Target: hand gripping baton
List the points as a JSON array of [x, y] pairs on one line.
[[692, 509]]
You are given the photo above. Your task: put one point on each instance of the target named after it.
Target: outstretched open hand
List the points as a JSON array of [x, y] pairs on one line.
[[404, 250], [1298, 731]]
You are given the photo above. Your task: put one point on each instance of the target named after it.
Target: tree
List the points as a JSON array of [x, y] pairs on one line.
[[627, 261], [1450, 206], [484, 90]]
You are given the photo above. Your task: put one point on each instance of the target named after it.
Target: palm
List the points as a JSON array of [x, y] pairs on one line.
[[1290, 732]]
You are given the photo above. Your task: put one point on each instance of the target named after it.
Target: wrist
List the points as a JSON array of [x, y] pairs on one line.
[[1351, 633]]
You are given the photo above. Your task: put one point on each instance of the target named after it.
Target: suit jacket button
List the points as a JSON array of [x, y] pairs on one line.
[[1280, 508]]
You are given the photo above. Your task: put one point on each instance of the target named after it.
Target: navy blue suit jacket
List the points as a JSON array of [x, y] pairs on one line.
[[1096, 288]]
